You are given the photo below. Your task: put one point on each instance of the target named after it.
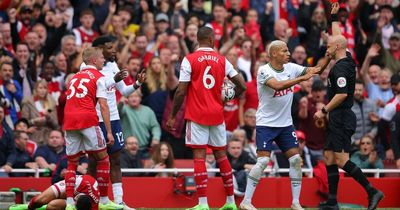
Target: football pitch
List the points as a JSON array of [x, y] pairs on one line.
[[269, 208]]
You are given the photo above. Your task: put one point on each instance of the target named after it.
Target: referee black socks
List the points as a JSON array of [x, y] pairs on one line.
[[358, 175], [333, 180]]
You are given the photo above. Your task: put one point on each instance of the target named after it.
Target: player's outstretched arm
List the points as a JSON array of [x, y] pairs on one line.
[[285, 84], [240, 85], [320, 67]]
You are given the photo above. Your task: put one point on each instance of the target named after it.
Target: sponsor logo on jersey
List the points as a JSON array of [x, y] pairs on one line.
[[282, 92], [341, 82]]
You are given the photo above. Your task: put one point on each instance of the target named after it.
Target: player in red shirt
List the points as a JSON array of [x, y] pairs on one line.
[[86, 196], [201, 78], [81, 124]]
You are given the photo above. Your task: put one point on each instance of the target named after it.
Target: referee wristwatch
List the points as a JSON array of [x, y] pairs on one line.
[[323, 110]]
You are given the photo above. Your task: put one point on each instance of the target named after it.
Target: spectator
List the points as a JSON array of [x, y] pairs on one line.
[[391, 56], [40, 110], [48, 155], [366, 114], [7, 145], [24, 159], [60, 61], [24, 69], [10, 93], [315, 129], [85, 33], [305, 91], [140, 121], [130, 155], [299, 56], [366, 157], [191, 36], [53, 86], [240, 161], [133, 67], [162, 157], [219, 22], [244, 61], [249, 122], [22, 125], [61, 168]]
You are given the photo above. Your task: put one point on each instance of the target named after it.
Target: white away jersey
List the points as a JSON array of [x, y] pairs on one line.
[[109, 70], [274, 108]]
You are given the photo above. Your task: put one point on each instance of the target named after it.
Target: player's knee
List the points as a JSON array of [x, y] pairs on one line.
[[295, 161], [340, 161], [52, 206]]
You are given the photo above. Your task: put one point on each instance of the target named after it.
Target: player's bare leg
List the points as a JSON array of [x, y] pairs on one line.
[[38, 202], [254, 177], [227, 177], [56, 204], [295, 176]]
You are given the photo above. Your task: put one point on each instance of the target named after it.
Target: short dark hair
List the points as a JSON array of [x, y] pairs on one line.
[[360, 81], [103, 40], [395, 79], [86, 11], [204, 33], [83, 202]]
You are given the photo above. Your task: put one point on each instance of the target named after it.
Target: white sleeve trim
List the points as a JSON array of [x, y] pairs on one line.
[[229, 70], [186, 71], [101, 88], [124, 89]]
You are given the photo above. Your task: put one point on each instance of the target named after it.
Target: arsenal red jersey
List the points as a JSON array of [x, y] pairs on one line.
[[205, 71], [83, 90]]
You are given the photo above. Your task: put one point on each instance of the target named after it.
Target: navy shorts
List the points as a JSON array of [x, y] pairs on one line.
[[284, 137], [118, 136]]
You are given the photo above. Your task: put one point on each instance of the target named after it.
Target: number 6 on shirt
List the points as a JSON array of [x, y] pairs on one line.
[[208, 77]]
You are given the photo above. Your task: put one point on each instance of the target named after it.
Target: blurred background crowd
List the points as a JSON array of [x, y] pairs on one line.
[[41, 42]]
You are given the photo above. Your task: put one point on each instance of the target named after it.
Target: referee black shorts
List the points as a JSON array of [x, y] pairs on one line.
[[341, 127]]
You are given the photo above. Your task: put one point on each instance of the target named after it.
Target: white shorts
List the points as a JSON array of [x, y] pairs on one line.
[[201, 136], [59, 189], [85, 140]]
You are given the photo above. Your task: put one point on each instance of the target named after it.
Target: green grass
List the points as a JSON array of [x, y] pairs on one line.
[[275, 209]]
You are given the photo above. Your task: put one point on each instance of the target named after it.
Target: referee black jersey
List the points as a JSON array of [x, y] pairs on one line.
[[342, 79]]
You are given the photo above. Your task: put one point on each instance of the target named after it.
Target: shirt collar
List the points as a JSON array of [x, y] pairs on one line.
[[205, 49]]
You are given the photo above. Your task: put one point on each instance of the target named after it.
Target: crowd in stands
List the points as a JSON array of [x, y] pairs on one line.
[[41, 42]]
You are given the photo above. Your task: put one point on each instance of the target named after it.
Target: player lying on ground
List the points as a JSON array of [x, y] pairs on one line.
[[86, 196]]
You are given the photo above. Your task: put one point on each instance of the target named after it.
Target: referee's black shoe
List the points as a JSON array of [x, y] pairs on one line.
[[374, 199], [328, 206]]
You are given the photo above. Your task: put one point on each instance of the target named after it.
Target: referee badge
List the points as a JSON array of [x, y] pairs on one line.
[[341, 82]]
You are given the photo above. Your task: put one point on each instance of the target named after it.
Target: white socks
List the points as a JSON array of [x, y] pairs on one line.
[[230, 199], [117, 192], [203, 201], [254, 176], [295, 177], [104, 200]]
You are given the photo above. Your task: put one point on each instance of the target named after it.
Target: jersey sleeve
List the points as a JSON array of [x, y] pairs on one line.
[[297, 70], [264, 75], [389, 111], [101, 88], [186, 71], [229, 70], [340, 79]]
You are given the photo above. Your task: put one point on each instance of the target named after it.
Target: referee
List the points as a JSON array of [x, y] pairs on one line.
[[342, 123]]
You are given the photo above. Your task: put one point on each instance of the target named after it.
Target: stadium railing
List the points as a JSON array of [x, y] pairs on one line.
[[36, 172]]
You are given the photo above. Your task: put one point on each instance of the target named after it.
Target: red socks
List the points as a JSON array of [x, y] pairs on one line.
[[33, 205], [226, 174], [200, 177], [103, 175], [70, 178]]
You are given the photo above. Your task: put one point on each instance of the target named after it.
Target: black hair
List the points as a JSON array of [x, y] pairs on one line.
[[103, 40], [83, 203]]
